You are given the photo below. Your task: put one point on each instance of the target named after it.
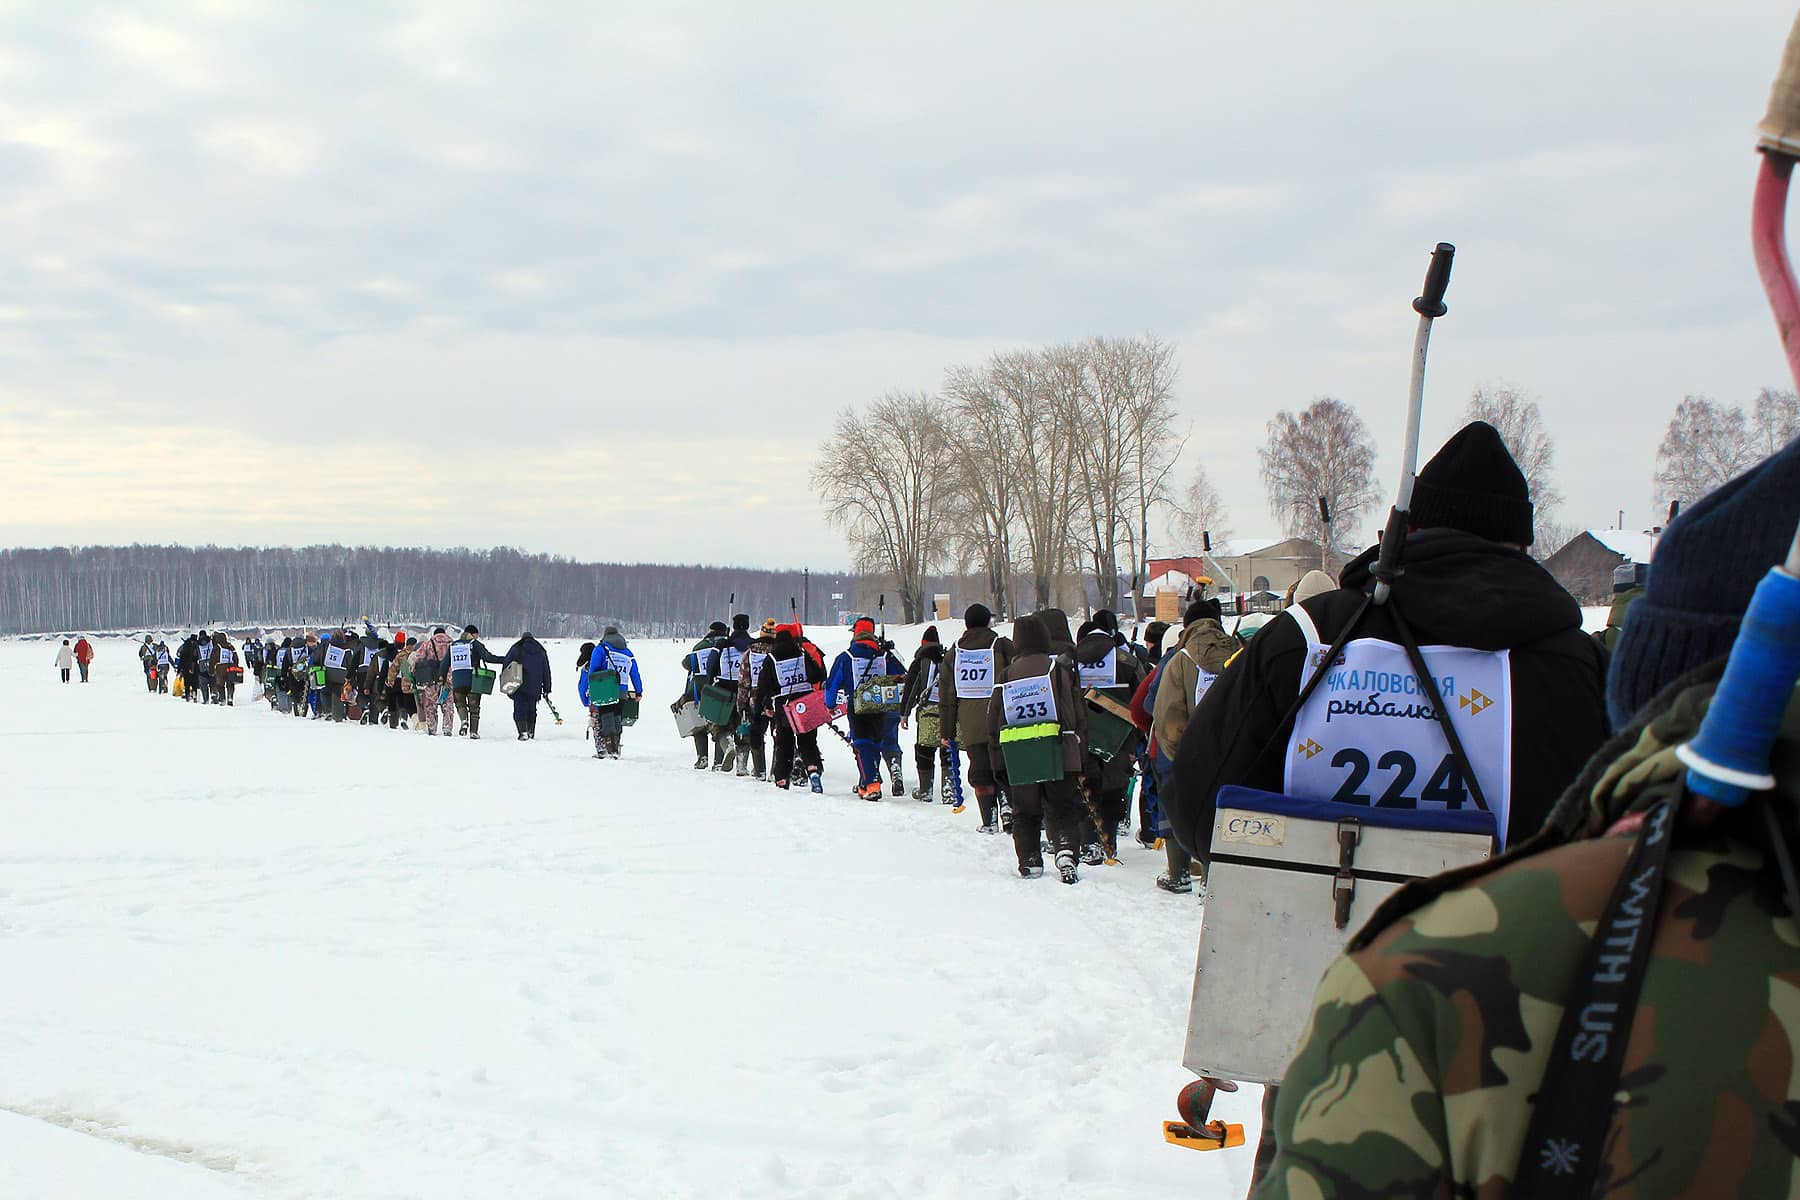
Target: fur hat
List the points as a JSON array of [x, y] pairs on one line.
[[740, 623]]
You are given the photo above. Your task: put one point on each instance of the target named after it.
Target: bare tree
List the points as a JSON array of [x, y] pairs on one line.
[[1774, 420], [1152, 447], [1706, 444], [1040, 453], [1200, 510], [880, 479], [978, 458], [1326, 451], [1515, 414]]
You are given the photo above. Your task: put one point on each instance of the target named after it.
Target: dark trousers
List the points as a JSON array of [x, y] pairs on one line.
[[1038, 807], [788, 744], [867, 733]]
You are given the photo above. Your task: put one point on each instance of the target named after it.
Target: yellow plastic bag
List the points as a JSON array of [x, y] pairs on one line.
[[180, 687]]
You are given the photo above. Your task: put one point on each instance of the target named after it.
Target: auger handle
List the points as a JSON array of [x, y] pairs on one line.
[[1779, 132], [1437, 281]]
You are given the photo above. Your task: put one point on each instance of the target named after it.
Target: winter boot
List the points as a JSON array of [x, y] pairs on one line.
[[895, 774], [1092, 855], [1031, 870], [741, 756], [924, 790], [758, 762], [816, 779], [700, 761], [1065, 865], [1005, 813], [1181, 884]]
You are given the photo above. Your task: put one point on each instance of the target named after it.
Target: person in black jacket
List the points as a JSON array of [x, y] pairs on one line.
[[919, 702], [534, 660], [1106, 663], [1508, 649], [788, 673]]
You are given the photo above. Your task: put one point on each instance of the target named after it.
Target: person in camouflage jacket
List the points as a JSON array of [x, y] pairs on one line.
[[1429, 1040]]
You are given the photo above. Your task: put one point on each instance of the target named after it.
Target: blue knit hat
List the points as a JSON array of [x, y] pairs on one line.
[[1707, 564]]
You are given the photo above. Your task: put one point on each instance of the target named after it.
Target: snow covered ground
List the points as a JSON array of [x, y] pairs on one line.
[[246, 955]]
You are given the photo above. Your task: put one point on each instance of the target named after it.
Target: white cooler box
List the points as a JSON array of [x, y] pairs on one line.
[[1290, 882]]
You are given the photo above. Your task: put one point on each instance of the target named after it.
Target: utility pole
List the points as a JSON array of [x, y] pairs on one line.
[[806, 591]]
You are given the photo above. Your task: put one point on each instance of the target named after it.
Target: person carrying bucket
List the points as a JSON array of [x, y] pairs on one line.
[[1038, 723], [789, 675], [613, 686], [1106, 667], [865, 660], [468, 655]]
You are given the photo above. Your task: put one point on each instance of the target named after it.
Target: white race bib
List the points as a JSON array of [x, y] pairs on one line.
[[757, 659], [1203, 681], [462, 656], [1370, 736], [703, 660], [1103, 674], [932, 676], [334, 657], [162, 658], [1028, 701], [226, 657], [730, 659], [790, 675], [206, 649], [974, 673]]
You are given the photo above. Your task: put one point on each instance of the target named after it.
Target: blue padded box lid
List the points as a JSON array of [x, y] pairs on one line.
[[1468, 820]]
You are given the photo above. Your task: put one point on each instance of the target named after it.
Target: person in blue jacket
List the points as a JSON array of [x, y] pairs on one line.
[[866, 659], [581, 665], [531, 656], [612, 654]]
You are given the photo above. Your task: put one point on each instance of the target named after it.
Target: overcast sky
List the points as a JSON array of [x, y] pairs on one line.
[[593, 279]]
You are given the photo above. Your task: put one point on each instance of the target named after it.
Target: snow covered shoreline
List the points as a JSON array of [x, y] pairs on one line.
[[331, 961]]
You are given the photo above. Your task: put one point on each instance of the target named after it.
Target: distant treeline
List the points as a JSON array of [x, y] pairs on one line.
[[91, 588]]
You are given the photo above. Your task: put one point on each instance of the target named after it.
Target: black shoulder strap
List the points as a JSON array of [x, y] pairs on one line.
[[1574, 1106]]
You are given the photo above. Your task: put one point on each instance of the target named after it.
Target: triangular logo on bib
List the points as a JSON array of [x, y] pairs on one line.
[[1311, 749], [1475, 702]]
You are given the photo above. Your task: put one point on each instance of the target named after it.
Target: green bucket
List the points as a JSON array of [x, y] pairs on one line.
[[1108, 733], [718, 704], [1033, 753], [628, 711], [481, 681], [318, 677], [603, 687]]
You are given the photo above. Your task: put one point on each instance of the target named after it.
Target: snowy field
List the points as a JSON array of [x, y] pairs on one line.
[[246, 955]]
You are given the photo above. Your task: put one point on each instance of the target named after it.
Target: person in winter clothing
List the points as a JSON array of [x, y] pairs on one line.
[[919, 703], [1520, 658], [65, 659], [165, 665], [401, 707], [702, 665], [466, 654], [431, 681], [608, 720], [976, 663], [227, 670], [1200, 654], [341, 656], [754, 725], [1433, 1037], [1105, 665], [728, 669], [866, 659], [187, 665], [147, 660], [1037, 688], [1313, 583], [203, 647], [531, 656], [370, 679], [84, 655], [582, 657], [789, 673]]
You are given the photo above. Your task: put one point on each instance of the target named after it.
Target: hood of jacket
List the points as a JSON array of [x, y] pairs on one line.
[[1094, 647], [1056, 625], [1205, 634], [1462, 590], [929, 652], [617, 641]]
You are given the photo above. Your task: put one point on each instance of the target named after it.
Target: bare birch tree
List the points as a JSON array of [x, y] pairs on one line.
[[1200, 511], [881, 479], [1327, 451], [978, 455], [1706, 444], [1520, 422], [1040, 453], [1774, 420]]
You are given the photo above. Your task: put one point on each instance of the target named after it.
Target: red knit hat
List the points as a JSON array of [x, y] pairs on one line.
[[863, 625]]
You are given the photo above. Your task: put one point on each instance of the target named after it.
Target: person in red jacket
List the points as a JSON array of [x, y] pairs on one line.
[[84, 654]]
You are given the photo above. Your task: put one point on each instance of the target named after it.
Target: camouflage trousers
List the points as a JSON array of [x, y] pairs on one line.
[[428, 697]]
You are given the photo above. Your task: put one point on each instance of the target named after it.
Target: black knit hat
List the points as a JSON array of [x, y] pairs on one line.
[[1107, 619], [1200, 610], [1473, 484], [740, 622], [977, 615], [1707, 564], [718, 627]]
